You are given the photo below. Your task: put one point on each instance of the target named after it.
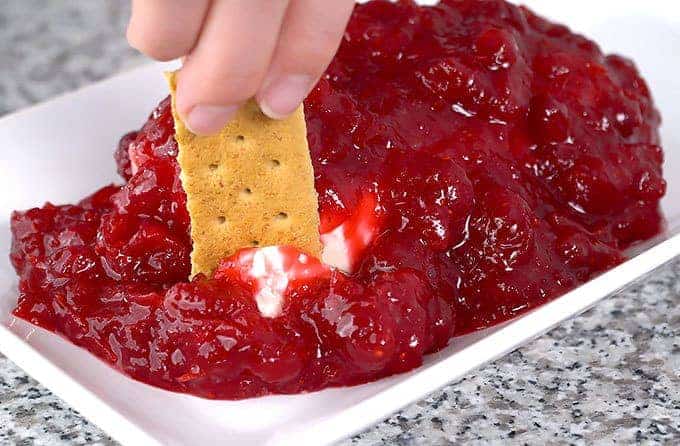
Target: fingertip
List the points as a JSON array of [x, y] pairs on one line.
[[165, 30], [266, 109], [131, 34], [281, 96], [207, 120]]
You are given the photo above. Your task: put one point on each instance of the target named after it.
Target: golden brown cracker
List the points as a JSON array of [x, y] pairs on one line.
[[252, 184]]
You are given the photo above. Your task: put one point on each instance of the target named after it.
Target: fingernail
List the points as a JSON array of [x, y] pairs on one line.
[[209, 119], [283, 96]]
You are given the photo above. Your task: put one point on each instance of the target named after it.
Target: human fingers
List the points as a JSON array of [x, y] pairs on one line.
[[229, 61]]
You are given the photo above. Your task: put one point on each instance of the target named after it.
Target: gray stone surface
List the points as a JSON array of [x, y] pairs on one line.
[[609, 376]]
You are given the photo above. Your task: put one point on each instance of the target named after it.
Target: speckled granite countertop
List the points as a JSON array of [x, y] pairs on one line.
[[609, 376]]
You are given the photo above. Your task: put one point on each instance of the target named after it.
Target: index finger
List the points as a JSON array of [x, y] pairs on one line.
[[229, 62]]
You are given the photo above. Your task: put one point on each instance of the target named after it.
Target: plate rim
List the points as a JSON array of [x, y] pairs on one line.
[[420, 383]]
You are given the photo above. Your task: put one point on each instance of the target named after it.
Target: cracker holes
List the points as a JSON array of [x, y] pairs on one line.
[[281, 216], [213, 166], [246, 194], [255, 243], [240, 138], [222, 219], [274, 163]]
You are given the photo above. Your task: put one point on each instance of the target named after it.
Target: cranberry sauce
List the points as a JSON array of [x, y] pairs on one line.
[[502, 160]]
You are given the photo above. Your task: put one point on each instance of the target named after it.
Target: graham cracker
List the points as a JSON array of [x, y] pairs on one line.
[[252, 184]]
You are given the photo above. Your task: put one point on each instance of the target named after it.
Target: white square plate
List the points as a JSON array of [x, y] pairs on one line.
[[61, 150]]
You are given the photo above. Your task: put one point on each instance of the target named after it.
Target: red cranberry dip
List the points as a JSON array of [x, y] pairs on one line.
[[472, 160]]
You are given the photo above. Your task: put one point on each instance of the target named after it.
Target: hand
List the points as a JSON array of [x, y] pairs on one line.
[[273, 50]]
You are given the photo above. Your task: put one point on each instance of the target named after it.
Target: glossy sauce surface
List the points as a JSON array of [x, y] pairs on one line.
[[501, 161]]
